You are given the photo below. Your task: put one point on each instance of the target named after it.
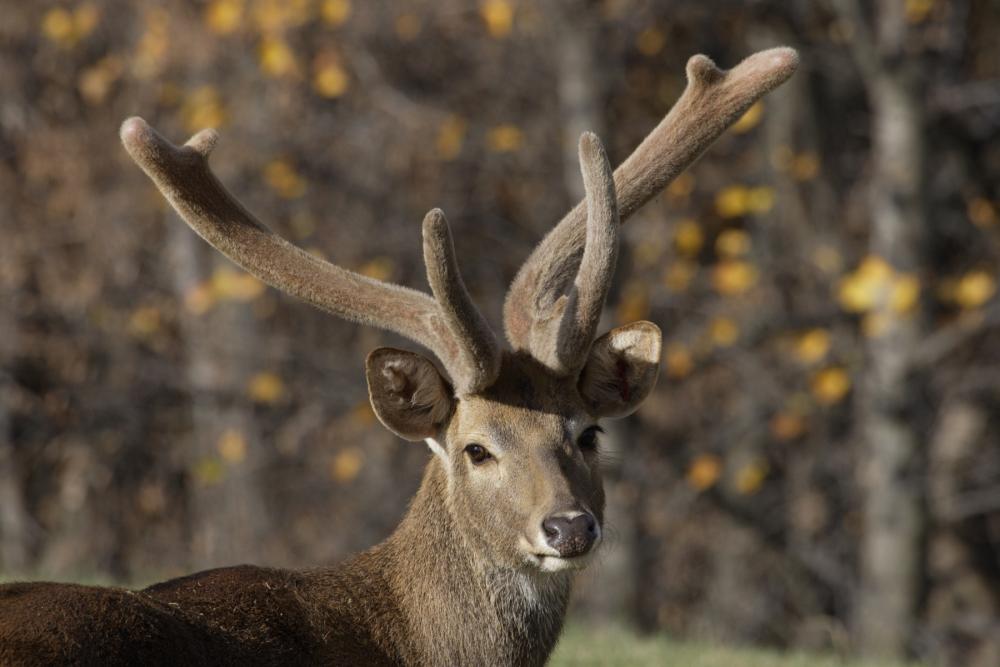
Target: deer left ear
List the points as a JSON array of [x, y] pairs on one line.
[[621, 369], [408, 394]]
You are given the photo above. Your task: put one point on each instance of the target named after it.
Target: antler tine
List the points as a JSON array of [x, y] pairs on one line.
[[713, 100], [562, 338], [480, 351], [183, 176]]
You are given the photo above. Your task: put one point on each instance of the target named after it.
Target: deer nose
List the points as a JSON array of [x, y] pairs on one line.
[[571, 534]]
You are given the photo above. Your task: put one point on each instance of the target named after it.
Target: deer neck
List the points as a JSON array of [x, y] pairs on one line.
[[461, 608]]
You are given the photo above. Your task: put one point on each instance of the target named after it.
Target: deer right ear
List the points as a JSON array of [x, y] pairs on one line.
[[621, 369], [408, 394]]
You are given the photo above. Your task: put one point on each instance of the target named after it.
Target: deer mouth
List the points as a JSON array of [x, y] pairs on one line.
[[564, 563], [547, 559]]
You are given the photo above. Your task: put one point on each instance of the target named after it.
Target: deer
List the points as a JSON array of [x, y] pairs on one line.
[[510, 509]]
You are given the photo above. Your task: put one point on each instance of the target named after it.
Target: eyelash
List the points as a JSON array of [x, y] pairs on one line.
[[587, 442]]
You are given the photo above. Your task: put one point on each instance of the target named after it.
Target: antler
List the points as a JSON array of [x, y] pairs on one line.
[[713, 100], [449, 325], [561, 337]]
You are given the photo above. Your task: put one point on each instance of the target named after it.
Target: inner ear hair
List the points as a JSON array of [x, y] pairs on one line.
[[622, 369], [408, 393]]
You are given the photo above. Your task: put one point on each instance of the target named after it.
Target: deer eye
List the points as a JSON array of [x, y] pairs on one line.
[[587, 441], [478, 453]]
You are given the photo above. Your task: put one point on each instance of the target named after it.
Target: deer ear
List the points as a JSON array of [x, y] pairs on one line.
[[621, 369], [407, 393]]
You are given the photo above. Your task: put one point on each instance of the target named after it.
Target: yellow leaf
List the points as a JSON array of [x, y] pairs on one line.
[[450, 137], [335, 12], [688, 238], [274, 16], [827, 259], [723, 331], [750, 477], [678, 276], [732, 243], [235, 285], [144, 321], [281, 176], [982, 213], [787, 426], [346, 465], [782, 157], [379, 268], [678, 360], [57, 25], [867, 286], [760, 199], [276, 57], [681, 187], [66, 28], [812, 346], [362, 414], [749, 119], [209, 471], [224, 16], [650, 41], [830, 385], [805, 166], [199, 299], [733, 201], [232, 446], [504, 138], [974, 289], [498, 16], [904, 293], [634, 302], [151, 51], [733, 277], [202, 108], [704, 471], [648, 252], [266, 388], [407, 26], [85, 19], [95, 82], [876, 324], [329, 79], [917, 10]]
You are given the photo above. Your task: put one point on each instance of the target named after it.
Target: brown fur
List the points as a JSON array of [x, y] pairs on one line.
[[471, 576]]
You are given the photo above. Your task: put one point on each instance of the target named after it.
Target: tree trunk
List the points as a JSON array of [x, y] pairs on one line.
[[891, 469], [14, 523], [227, 513]]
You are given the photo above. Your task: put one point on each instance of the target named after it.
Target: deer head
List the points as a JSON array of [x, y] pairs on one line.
[[516, 431]]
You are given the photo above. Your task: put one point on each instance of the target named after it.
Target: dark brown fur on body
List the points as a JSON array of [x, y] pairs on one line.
[[417, 599]]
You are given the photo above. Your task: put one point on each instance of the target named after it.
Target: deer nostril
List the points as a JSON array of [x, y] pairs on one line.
[[570, 535]]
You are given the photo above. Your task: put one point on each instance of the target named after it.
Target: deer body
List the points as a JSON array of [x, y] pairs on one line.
[[417, 599], [511, 505]]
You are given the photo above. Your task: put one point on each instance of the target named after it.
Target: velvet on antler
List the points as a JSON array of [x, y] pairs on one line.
[[449, 324], [713, 100]]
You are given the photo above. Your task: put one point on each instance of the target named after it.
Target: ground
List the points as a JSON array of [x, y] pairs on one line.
[[581, 646]]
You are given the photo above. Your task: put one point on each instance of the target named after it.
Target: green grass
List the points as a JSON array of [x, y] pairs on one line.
[[581, 646]]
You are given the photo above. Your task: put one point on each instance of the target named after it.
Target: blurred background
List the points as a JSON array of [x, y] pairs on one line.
[[819, 467]]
